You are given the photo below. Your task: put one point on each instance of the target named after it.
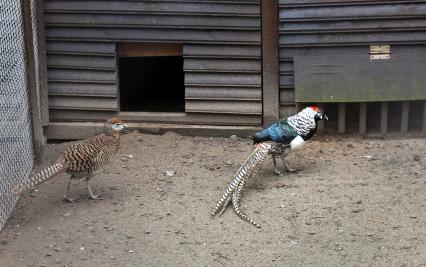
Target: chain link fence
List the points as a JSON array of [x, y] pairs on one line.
[[16, 148]]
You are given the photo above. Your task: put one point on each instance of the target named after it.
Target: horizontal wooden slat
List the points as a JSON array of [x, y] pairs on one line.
[[353, 38], [188, 118], [353, 25], [93, 89], [222, 64], [56, 74], [249, 8], [222, 51], [148, 50], [149, 20], [287, 80], [80, 47], [229, 93], [82, 103], [80, 61], [378, 10], [231, 107], [81, 130], [151, 35], [223, 78]]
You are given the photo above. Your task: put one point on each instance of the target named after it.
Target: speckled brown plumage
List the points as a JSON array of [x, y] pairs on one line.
[[83, 159]]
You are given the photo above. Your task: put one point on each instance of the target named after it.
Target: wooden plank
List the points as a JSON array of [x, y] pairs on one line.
[[38, 136], [341, 118], [363, 118], [384, 118], [424, 117], [405, 109], [224, 107], [298, 107], [83, 103], [42, 63], [156, 117], [81, 130], [360, 78], [270, 70], [321, 124], [148, 50]]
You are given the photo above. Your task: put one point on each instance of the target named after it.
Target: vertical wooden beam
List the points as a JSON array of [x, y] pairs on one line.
[[362, 118], [298, 107], [383, 118], [405, 109], [321, 125], [341, 118], [31, 82], [270, 68], [424, 117], [42, 63]]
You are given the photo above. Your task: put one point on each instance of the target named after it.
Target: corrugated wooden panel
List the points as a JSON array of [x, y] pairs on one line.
[[82, 103], [82, 88], [332, 28], [221, 50], [356, 78]]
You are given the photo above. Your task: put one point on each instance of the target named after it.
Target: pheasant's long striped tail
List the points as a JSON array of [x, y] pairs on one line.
[[39, 178], [248, 168]]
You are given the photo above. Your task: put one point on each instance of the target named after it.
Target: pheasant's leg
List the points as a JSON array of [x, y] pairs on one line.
[[289, 169], [276, 171], [69, 187], [91, 195]]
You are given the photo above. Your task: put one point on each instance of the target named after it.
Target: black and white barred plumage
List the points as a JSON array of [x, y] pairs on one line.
[[275, 140], [303, 122], [249, 168]]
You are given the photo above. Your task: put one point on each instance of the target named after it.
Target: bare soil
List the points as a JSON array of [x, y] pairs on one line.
[[353, 202]]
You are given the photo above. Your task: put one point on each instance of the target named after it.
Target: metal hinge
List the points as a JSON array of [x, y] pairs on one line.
[[379, 52]]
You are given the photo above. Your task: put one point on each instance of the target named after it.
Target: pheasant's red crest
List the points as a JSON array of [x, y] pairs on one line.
[[314, 108]]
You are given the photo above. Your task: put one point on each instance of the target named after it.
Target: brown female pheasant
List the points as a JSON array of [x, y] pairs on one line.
[[82, 160]]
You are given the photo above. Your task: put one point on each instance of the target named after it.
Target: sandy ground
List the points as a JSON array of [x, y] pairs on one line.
[[353, 202]]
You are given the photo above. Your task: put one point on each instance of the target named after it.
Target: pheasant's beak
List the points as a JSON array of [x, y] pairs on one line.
[[124, 128], [325, 116]]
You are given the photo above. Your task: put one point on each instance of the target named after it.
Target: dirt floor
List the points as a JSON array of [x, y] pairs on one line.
[[353, 202]]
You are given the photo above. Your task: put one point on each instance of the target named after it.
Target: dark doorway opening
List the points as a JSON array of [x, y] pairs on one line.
[[152, 84]]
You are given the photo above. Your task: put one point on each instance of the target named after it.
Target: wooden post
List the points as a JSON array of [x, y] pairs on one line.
[[31, 82], [321, 125], [424, 117], [341, 118], [298, 107], [384, 118], [405, 109], [270, 69], [362, 118], [42, 63]]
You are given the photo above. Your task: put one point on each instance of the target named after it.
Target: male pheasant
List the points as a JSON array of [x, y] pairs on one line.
[[276, 140], [82, 160]]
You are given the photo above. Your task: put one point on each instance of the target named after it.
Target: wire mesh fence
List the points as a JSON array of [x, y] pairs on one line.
[[16, 145]]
